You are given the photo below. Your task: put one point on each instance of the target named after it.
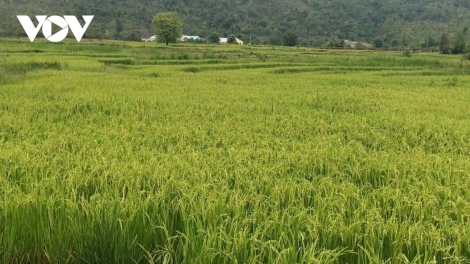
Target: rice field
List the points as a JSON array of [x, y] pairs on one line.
[[115, 152]]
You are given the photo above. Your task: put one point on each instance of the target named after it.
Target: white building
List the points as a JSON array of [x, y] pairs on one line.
[[151, 39], [185, 38], [225, 41]]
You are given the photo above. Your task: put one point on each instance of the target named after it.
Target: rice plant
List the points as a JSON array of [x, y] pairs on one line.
[[308, 157]]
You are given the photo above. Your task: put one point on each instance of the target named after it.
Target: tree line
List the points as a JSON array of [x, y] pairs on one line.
[[387, 23]]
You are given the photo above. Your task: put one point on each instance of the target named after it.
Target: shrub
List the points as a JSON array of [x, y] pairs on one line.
[[407, 53]]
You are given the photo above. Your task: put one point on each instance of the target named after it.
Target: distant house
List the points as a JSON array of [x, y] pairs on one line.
[[151, 39], [355, 44], [225, 41], [186, 38]]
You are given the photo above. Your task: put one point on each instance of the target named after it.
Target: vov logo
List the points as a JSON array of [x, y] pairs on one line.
[[64, 23]]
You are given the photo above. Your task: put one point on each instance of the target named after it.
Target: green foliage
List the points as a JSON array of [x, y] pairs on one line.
[[133, 37], [290, 39], [378, 43], [459, 44], [231, 39], [275, 40], [167, 27], [466, 55], [358, 20], [213, 38], [119, 28], [406, 53], [431, 42], [360, 45], [444, 44], [335, 42]]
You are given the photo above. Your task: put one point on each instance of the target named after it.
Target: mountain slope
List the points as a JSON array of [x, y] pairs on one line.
[[403, 20]]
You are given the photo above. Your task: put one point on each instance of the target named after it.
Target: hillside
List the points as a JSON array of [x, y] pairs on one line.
[[406, 21]]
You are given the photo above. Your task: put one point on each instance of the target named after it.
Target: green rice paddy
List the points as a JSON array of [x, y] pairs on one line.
[[114, 152]]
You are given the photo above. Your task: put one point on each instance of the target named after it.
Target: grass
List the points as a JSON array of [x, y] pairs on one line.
[[354, 157]]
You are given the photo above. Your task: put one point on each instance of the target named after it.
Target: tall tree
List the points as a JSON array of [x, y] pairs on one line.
[[444, 45], [290, 39], [167, 26], [378, 43], [431, 42], [460, 42], [119, 28], [214, 38]]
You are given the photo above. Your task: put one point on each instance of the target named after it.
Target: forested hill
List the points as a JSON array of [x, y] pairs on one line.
[[406, 21]]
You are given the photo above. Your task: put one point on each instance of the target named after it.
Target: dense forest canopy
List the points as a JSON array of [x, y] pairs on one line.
[[405, 22]]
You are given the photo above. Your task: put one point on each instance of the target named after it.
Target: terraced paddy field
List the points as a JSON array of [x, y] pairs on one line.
[[114, 152]]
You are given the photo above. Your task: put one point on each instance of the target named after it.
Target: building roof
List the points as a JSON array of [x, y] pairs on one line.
[[190, 37]]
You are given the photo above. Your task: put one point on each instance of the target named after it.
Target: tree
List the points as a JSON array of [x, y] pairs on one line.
[[290, 39], [167, 27], [378, 43], [460, 42], [274, 40], [214, 38], [467, 53], [119, 28], [431, 42], [360, 45], [132, 37], [333, 42], [231, 39], [444, 46]]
